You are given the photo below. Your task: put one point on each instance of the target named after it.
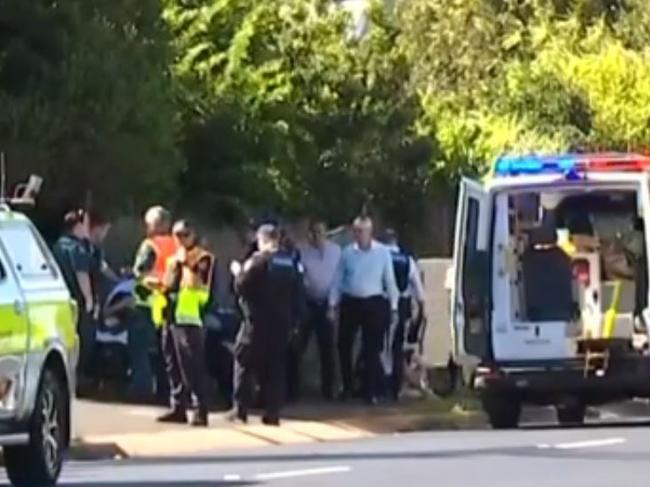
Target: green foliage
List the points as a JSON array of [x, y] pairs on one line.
[[86, 98], [229, 105], [535, 75], [324, 123]]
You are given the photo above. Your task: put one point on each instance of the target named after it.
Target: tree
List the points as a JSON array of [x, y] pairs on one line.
[[87, 99], [321, 123]]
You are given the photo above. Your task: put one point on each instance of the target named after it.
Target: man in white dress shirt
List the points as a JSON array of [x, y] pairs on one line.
[[320, 259], [364, 279]]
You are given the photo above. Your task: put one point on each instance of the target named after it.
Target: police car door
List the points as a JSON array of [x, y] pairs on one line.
[[471, 291], [14, 330]]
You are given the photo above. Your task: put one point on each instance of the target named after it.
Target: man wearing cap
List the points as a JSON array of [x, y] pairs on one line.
[[270, 286], [188, 282]]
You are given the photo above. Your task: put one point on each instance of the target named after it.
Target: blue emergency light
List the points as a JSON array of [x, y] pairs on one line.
[[569, 165]]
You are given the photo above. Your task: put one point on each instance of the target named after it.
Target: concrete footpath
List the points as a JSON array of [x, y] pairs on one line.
[[106, 430]]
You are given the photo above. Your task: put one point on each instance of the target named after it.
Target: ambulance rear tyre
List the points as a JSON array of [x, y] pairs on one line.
[[503, 411], [38, 463], [571, 414]]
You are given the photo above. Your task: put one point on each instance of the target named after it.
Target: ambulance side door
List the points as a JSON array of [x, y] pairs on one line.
[[471, 306], [14, 331]]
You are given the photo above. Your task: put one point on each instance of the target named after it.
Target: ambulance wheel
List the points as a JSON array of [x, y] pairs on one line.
[[503, 411], [571, 413], [39, 462]]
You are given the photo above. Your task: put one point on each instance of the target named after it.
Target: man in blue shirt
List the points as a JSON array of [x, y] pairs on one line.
[[363, 279]]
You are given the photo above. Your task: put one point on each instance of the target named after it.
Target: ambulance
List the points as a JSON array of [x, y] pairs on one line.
[[550, 297], [38, 350]]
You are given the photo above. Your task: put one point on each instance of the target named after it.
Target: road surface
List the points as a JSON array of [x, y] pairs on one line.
[[595, 456]]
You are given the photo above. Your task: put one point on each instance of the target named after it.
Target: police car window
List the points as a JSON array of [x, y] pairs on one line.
[[26, 252]]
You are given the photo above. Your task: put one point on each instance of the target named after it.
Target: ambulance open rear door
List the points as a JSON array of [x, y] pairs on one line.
[[471, 304]]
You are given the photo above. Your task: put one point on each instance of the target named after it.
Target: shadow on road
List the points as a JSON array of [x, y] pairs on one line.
[[158, 483], [631, 423]]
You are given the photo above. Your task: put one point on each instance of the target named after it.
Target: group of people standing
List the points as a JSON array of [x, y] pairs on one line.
[[286, 295]]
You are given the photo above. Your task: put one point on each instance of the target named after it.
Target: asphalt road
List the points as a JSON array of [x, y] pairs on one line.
[[596, 456]]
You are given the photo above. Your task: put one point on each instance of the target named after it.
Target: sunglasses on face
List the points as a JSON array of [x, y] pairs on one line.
[[183, 235]]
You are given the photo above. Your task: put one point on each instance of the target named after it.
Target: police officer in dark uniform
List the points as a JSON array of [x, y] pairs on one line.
[[269, 285], [410, 287]]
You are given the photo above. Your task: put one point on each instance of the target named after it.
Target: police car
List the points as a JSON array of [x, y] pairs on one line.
[[38, 354], [550, 295]]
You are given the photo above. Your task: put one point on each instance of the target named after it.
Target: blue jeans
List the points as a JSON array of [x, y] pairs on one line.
[[141, 339]]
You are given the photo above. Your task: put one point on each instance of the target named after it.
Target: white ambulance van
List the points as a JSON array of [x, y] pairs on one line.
[[550, 299]]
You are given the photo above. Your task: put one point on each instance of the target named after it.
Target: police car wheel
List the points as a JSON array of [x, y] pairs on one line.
[[39, 462]]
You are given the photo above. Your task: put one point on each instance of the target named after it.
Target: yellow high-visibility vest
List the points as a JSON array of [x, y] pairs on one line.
[[193, 294]]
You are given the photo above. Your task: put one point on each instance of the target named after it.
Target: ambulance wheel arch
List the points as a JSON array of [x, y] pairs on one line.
[[470, 298]]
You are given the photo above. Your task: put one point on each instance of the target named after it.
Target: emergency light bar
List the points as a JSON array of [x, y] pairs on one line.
[[569, 164]]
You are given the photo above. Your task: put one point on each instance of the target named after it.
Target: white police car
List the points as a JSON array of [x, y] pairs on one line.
[[550, 296]]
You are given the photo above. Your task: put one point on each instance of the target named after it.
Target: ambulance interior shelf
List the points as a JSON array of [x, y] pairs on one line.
[[580, 245]]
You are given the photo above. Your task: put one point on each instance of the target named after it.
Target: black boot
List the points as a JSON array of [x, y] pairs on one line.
[[176, 416], [200, 419], [237, 415], [271, 421]]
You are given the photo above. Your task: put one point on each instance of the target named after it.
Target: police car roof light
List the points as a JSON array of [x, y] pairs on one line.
[[570, 164]]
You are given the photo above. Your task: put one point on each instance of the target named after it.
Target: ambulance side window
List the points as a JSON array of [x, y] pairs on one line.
[[27, 255], [474, 279]]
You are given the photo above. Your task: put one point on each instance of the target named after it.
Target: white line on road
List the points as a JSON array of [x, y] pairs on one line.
[[231, 478], [584, 444], [302, 473]]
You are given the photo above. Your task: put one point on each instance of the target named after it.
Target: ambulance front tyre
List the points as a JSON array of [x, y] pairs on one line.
[[503, 410], [39, 462]]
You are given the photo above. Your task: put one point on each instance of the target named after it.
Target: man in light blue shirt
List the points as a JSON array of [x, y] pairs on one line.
[[320, 259], [363, 280]]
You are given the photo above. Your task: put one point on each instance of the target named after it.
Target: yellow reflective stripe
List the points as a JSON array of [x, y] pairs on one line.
[[52, 319], [13, 331], [189, 305], [158, 303]]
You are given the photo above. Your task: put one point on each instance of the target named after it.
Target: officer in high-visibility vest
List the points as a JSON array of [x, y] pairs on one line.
[[149, 270], [188, 282]]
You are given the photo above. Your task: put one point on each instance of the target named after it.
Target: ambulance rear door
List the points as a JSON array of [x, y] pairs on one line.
[[471, 302]]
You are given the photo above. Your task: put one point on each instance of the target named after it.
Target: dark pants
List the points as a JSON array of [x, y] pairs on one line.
[[397, 347], [141, 339], [184, 350], [86, 329], [317, 323], [369, 314], [219, 361], [266, 364]]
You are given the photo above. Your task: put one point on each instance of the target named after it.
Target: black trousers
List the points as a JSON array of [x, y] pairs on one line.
[[319, 325], [266, 364], [184, 350], [397, 347], [369, 315]]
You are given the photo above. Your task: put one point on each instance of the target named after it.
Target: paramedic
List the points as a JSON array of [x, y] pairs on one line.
[[149, 269], [270, 286], [102, 276], [72, 256], [363, 279], [409, 284], [189, 281], [320, 258]]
